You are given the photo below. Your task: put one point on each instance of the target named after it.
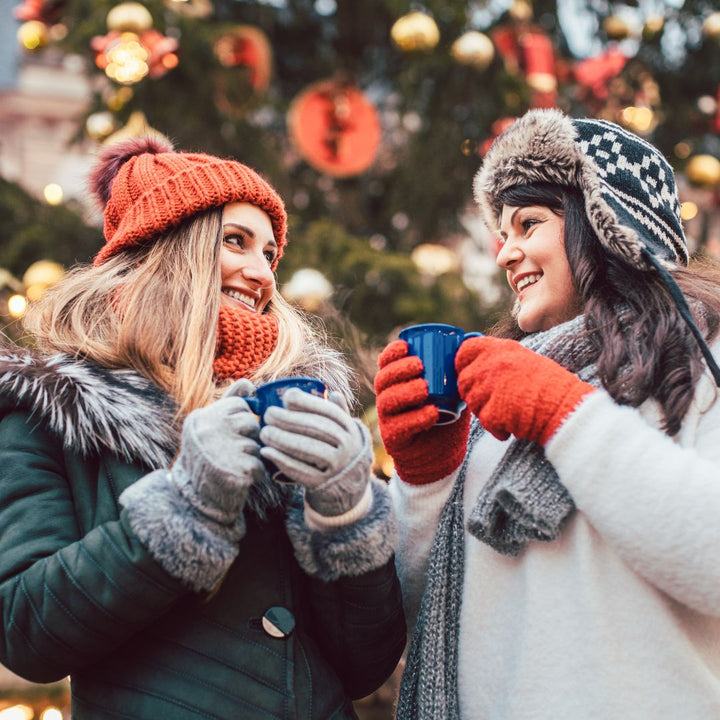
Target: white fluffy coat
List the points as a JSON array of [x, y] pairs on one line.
[[620, 617]]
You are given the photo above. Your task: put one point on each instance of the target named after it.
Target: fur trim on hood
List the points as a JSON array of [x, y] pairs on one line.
[[89, 408]]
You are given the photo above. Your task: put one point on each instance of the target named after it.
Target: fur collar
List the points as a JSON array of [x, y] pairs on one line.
[[91, 409]]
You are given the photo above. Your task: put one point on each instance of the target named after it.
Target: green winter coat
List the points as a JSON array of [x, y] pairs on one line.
[[81, 596]]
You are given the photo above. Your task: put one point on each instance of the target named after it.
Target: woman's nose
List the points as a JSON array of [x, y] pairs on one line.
[[257, 269], [510, 253]]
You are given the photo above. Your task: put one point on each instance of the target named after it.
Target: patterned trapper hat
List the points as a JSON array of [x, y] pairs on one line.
[[629, 188]]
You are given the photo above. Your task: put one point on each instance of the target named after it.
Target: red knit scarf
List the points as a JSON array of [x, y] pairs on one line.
[[244, 341]]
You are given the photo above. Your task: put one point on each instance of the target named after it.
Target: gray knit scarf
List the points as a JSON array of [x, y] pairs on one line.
[[522, 501]]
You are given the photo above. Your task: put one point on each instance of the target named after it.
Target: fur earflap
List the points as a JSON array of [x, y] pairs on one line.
[[114, 156]]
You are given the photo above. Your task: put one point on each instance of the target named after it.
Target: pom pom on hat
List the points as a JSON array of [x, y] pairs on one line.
[[112, 157], [147, 188]]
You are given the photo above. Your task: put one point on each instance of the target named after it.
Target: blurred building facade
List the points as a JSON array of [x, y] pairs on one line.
[[42, 98]]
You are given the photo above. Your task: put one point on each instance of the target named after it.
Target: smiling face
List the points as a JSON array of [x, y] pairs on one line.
[[248, 251], [534, 257]]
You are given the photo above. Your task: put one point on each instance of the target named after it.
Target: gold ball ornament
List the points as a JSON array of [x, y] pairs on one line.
[[129, 17], [473, 48], [100, 124], [33, 34], [703, 170], [616, 28], [711, 26], [652, 26], [414, 32], [521, 11]]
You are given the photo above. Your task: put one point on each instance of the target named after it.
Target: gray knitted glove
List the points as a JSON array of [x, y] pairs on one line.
[[190, 518], [316, 443], [220, 458]]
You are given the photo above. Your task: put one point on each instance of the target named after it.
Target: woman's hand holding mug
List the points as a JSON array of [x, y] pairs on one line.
[[319, 445], [423, 423]]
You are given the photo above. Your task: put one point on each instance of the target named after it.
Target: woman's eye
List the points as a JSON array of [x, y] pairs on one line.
[[270, 256], [237, 240], [528, 223]]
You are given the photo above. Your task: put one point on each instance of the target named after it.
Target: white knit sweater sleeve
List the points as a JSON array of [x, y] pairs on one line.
[[655, 499], [418, 509]]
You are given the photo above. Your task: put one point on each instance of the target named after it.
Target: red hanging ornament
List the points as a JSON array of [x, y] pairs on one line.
[[505, 41], [335, 128], [246, 46], [594, 73], [528, 50]]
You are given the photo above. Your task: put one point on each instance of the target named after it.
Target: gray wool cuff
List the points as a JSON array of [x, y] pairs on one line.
[[187, 543], [349, 550]]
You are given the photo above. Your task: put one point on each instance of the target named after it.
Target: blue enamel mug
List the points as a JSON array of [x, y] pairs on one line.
[[271, 394], [436, 345]]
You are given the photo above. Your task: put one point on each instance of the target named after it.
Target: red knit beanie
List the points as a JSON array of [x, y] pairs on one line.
[[146, 188]]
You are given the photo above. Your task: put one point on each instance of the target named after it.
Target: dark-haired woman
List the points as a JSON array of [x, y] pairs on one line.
[[559, 542], [144, 549]]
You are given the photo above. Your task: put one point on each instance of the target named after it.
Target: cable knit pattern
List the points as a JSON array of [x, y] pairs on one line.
[[244, 341], [147, 191]]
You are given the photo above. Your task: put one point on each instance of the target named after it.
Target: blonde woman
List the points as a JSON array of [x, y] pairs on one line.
[[145, 551]]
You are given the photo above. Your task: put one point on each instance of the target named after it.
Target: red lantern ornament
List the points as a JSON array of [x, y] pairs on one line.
[[335, 128], [505, 41]]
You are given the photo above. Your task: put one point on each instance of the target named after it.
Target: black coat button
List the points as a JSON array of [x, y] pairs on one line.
[[278, 622]]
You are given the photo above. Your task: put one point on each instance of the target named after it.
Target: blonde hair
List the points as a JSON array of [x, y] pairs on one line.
[[154, 309]]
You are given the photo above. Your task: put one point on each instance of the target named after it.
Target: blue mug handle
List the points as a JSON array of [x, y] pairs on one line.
[[447, 417]]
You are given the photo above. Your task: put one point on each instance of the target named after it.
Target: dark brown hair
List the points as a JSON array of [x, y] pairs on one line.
[[644, 347]]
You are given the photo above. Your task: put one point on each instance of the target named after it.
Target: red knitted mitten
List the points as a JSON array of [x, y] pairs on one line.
[[515, 391], [422, 452]]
